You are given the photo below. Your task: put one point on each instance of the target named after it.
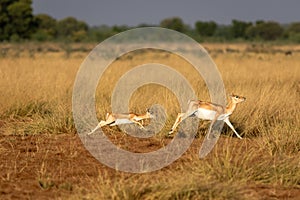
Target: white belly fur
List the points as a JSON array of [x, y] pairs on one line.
[[122, 121], [208, 114]]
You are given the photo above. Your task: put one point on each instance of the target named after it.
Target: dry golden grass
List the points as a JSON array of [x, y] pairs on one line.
[[36, 94]]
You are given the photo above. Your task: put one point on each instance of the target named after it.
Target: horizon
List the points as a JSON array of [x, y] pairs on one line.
[[133, 12]]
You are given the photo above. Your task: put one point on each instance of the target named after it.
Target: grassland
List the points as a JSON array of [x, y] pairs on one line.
[[42, 156]]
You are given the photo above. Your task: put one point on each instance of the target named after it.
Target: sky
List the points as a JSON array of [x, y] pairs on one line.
[[135, 12]]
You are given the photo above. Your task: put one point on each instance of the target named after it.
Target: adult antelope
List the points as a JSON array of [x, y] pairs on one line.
[[210, 111], [113, 119]]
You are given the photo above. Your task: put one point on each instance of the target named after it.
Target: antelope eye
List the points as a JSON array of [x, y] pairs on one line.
[[237, 97]]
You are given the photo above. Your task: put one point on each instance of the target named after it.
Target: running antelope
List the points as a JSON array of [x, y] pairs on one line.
[[113, 119], [210, 111]]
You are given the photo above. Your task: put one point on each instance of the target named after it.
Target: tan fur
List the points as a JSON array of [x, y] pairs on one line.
[[112, 117], [194, 105]]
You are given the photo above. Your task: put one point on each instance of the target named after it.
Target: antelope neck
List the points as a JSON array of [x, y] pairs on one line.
[[230, 107]]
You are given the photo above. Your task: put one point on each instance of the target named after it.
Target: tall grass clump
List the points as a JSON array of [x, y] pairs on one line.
[[36, 94]]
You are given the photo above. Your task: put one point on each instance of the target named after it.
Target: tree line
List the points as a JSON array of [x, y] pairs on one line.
[[18, 23]]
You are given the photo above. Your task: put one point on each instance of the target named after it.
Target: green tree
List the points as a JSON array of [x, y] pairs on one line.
[[99, 33], [293, 32], [174, 23], [252, 32], [265, 30], [5, 31], [223, 33], [238, 28], [206, 28], [16, 19], [118, 29], [294, 27], [46, 27], [270, 30], [72, 29]]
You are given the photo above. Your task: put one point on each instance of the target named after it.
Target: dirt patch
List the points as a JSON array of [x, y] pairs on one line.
[[44, 165], [53, 166]]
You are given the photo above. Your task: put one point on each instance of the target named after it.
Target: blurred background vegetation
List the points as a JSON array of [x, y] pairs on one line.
[[18, 23]]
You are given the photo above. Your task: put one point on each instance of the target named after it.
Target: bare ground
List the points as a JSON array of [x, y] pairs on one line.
[[55, 166]]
